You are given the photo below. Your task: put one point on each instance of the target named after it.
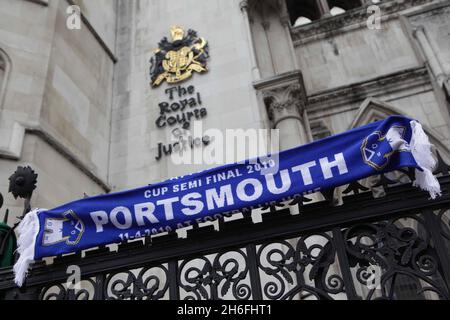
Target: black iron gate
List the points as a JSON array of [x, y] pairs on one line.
[[388, 241]]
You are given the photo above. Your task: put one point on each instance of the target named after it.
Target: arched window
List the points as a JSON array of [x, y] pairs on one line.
[[4, 71], [303, 12], [334, 11], [306, 11]]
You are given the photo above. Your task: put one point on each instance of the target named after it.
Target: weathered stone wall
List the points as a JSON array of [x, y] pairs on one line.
[[355, 56], [26, 32], [226, 90], [78, 96], [102, 15], [55, 115], [436, 22], [345, 66], [63, 113]]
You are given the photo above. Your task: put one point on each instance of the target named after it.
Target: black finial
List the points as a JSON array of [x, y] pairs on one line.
[[328, 194], [23, 182]]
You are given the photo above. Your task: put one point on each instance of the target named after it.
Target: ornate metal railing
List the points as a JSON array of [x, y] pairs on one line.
[[389, 241]]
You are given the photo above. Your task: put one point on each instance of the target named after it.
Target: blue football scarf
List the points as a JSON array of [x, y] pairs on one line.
[[383, 146]]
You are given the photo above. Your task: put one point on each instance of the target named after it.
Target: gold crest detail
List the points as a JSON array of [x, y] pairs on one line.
[[177, 60]]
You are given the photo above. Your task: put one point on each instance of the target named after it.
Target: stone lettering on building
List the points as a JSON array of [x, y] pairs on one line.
[[182, 106]]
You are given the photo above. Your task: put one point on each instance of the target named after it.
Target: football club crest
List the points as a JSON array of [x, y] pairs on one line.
[[179, 59], [377, 149], [68, 229]]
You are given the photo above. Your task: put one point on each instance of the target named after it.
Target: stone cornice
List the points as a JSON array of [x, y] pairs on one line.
[[394, 82], [284, 100], [355, 18], [284, 96], [14, 152], [279, 80], [432, 9], [41, 2], [70, 156]]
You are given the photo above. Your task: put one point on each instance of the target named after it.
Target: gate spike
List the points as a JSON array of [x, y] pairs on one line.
[[441, 167], [5, 218]]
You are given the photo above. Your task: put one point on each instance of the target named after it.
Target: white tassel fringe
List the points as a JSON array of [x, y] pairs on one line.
[[28, 230], [421, 151]]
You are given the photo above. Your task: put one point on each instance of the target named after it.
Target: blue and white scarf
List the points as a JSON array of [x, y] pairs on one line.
[[383, 146]]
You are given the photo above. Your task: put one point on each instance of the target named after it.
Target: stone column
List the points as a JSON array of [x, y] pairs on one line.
[[441, 77], [324, 8], [285, 106], [286, 23], [285, 101], [266, 26], [430, 55], [244, 9]]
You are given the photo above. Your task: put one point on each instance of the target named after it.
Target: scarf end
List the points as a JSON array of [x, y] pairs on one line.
[[422, 153], [28, 230], [426, 181]]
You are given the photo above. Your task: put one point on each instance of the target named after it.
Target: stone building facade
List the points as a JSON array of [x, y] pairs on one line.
[[76, 104]]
